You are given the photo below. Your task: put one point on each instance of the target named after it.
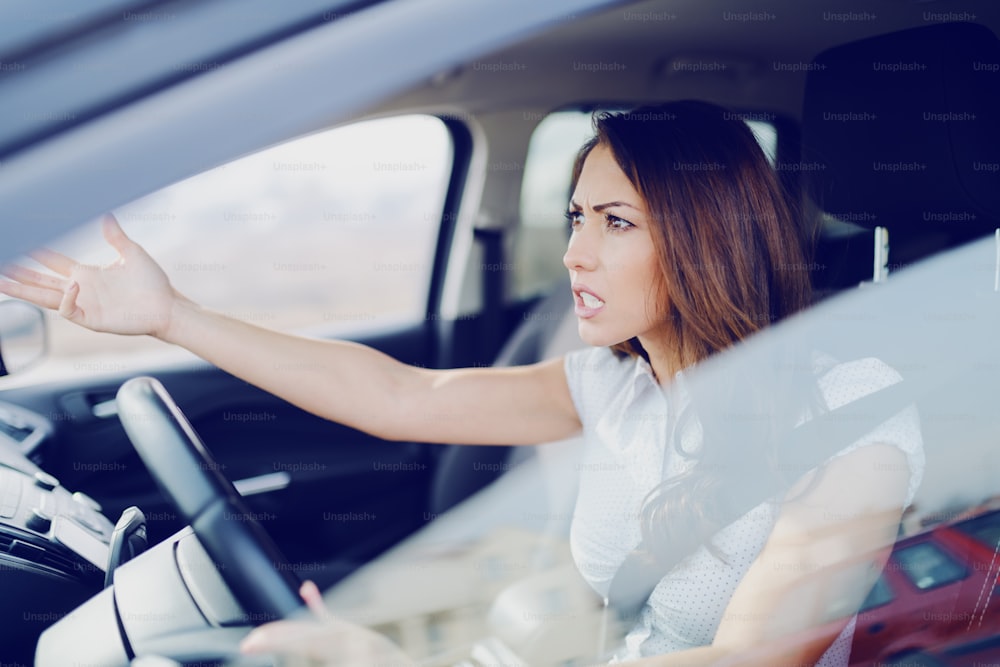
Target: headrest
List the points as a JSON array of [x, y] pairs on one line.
[[903, 130]]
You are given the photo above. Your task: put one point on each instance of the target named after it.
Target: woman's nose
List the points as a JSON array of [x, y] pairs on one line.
[[581, 253]]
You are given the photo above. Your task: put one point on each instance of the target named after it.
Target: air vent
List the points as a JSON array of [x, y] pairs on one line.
[[51, 557], [46, 554]]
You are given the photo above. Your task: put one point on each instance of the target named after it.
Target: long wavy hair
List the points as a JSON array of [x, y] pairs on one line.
[[731, 262]]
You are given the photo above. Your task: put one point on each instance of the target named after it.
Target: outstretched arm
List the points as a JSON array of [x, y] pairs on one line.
[[341, 381]]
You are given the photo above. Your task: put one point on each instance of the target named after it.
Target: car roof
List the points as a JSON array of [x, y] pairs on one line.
[[129, 146], [100, 139], [739, 54]]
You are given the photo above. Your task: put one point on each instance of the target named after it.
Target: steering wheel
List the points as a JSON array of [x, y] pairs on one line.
[[248, 560]]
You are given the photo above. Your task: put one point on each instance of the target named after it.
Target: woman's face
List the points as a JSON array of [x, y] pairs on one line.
[[611, 258]]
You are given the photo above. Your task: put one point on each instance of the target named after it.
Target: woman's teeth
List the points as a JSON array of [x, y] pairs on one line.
[[590, 301]]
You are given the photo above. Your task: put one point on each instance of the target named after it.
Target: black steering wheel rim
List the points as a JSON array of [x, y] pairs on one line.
[[258, 575]]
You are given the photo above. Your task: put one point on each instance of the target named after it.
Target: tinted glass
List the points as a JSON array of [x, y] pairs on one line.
[[928, 566]]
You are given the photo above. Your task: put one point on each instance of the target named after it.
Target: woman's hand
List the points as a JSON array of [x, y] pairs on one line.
[[132, 295], [323, 639]]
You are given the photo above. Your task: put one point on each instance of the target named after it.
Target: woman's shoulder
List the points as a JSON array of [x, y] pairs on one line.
[[843, 382], [597, 375]]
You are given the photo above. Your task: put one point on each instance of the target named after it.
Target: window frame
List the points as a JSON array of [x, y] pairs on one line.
[[462, 152]]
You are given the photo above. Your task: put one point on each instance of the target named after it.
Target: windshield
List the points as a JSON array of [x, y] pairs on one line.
[[497, 573]]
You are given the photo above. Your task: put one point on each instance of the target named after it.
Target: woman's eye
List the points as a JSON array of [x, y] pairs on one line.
[[611, 222], [575, 218], [617, 224]]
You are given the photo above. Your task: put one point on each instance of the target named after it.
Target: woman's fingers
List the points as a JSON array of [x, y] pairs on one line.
[[314, 599], [276, 637], [131, 295], [330, 642], [67, 306], [40, 296], [38, 288], [29, 277], [64, 266], [53, 260], [279, 636], [114, 234], [303, 637]]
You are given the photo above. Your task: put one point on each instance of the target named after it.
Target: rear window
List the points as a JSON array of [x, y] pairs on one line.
[[928, 566]]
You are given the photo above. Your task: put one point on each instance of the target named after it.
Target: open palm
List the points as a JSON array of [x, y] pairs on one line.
[[131, 295]]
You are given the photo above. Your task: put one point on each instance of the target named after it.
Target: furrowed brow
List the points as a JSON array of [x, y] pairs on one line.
[[612, 204], [573, 206]]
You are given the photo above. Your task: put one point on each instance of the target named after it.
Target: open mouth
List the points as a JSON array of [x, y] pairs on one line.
[[590, 301], [587, 303]]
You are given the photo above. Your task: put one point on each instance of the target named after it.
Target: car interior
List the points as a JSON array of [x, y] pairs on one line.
[[885, 121]]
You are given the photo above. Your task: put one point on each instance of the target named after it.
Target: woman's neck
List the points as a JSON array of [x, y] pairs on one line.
[[664, 358]]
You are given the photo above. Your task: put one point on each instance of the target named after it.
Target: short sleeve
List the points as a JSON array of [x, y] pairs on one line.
[[852, 380], [589, 374]]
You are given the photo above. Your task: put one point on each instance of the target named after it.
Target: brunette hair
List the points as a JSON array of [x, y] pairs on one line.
[[731, 262]]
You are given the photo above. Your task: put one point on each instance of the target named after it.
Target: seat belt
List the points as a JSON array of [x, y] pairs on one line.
[[807, 446]]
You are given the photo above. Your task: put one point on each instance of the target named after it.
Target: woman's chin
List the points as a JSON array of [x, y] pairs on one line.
[[597, 336]]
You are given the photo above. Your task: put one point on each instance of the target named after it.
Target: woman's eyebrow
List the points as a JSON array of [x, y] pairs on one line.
[[573, 206]]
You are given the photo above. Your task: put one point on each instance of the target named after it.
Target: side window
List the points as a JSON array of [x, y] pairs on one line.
[[928, 566], [543, 233], [334, 230]]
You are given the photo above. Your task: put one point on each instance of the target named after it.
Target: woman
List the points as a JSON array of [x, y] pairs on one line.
[[682, 245]]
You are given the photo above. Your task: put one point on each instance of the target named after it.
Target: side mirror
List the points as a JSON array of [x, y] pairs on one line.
[[22, 336]]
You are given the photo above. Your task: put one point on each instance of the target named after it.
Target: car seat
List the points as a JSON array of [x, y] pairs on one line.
[[549, 330], [899, 133]]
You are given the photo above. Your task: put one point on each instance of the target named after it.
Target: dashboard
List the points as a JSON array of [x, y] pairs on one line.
[[44, 527], [55, 544], [79, 589]]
